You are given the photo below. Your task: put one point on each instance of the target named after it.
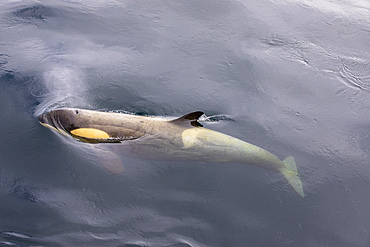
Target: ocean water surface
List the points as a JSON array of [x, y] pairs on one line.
[[290, 76]]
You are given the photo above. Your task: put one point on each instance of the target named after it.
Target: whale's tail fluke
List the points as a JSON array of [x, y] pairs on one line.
[[290, 172]]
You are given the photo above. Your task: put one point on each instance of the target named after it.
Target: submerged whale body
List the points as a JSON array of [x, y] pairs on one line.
[[155, 138]]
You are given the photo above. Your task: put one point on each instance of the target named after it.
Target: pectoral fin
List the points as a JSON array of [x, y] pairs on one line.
[[109, 160]]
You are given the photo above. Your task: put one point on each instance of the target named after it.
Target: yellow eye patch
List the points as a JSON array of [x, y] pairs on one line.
[[90, 133]]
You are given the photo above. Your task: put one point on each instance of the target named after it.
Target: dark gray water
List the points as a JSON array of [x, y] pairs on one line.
[[290, 76]]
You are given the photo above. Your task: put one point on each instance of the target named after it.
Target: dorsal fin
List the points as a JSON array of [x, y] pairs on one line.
[[191, 118]]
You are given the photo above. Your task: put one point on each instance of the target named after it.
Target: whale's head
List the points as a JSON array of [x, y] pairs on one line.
[[61, 120], [85, 125]]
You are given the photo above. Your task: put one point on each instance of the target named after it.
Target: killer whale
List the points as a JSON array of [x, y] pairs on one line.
[[156, 138]]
